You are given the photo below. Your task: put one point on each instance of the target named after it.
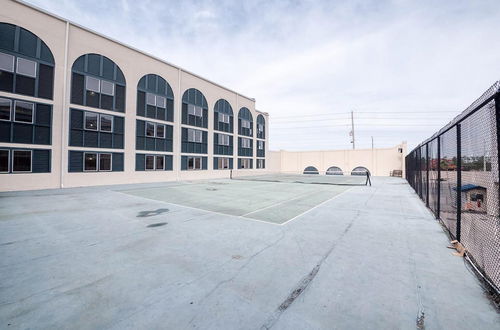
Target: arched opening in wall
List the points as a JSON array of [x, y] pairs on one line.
[[245, 122], [194, 108], [223, 116], [311, 170], [261, 127], [96, 81], [26, 63], [360, 170], [334, 170], [155, 98]]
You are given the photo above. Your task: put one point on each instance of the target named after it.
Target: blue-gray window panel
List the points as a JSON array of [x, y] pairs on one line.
[[75, 160], [140, 162], [37, 133], [142, 142], [193, 147], [79, 137], [248, 152]]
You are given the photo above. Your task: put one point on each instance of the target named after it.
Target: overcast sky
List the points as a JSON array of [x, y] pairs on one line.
[[404, 67]]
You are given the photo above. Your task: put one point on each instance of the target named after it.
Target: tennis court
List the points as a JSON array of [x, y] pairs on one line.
[[274, 202]]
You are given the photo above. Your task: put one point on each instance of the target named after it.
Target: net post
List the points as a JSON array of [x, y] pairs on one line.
[[459, 183]]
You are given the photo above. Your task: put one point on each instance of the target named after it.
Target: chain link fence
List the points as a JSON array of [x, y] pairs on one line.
[[456, 174]]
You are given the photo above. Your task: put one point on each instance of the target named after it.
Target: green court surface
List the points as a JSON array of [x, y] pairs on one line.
[[265, 201]]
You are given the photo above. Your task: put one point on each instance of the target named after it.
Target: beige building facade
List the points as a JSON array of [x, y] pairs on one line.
[[379, 161], [80, 109]]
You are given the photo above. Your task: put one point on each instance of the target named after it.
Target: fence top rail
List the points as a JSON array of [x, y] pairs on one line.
[[487, 96]]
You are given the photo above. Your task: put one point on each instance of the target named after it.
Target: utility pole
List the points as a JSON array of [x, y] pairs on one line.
[[372, 142], [352, 131]]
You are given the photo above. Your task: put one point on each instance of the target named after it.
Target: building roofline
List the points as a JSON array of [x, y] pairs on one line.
[[29, 5]]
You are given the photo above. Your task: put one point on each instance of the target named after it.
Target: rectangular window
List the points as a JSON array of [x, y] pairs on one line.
[[245, 163], [161, 102], [224, 118], [4, 161], [160, 131], [92, 84], [104, 162], [195, 110], [5, 109], [6, 62], [160, 163], [260, 163], [91, 121], [260, 128], [150, 162], [223, 139], [90, 162], [106, 123], [245, 123], [21, 161], [150, 99], [107, 88], [195, 136], [194, 163], [26, 67], [245, 143], [24, 112], [150, 129], [260, 145], [223, 163]]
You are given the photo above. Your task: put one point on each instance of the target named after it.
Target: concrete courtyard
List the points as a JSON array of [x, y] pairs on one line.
[[148, 257]]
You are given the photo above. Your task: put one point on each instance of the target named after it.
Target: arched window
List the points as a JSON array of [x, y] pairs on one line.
[[360, 170], [245, 122], [194, 108], [26, 63], [155, 98], [261, 127], [311, 170], [223, 116], [98, 82], [334, 170]]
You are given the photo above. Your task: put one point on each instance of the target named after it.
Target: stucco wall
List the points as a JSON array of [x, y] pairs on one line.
[[380, 162]]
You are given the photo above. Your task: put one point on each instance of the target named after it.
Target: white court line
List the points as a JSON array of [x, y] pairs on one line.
[[314, 207], [279, 203], [203, 210]]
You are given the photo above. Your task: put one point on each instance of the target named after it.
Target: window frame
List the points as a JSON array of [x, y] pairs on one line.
[[150, 95], [8, 161], [243, 143], [25, 74], [260, 145], [110, 162], [13, 63], [97, 161], [260, 163], [221, 161], [98, 121], [164, 104], [244, 123], [87, 77], [10, 108], [156, 162], [146, 129], [102, 115], [13, 158], [32, 112], [195, 158], [156, 131], [194, 110], [146, 163], [107, 82]]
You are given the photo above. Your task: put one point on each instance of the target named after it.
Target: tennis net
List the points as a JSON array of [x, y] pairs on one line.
[[355, 178]]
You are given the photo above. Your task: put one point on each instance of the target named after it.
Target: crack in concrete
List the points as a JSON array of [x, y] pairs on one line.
[[304, 283]]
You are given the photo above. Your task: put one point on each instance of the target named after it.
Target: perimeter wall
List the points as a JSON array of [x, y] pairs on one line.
[[379, 161]]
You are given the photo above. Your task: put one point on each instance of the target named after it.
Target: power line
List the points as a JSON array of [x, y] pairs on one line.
[[347, 125], [361, 112]]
